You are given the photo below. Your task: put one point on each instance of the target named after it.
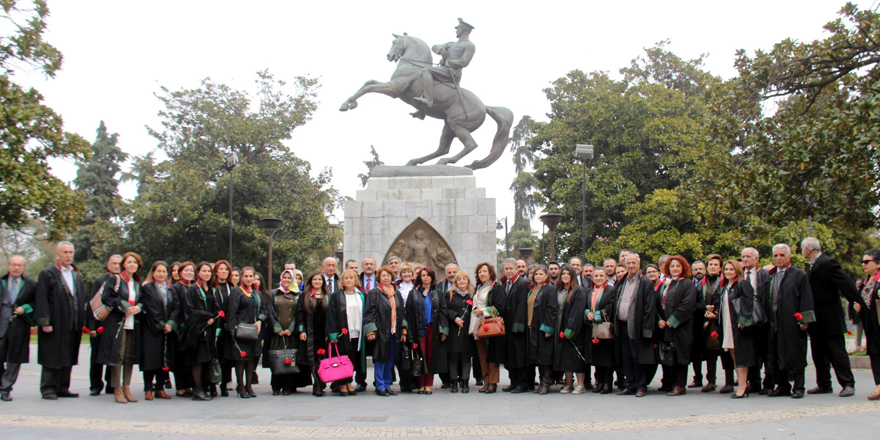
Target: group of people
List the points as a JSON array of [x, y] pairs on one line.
[[202, 322]]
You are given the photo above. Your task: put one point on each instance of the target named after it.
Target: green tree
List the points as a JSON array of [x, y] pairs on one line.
[[525, 201], [32, 133], [142, 172], [372, 163]]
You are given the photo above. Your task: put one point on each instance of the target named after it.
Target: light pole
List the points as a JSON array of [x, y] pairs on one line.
[[584, 153], [270, 225], [551, 220], [231, 162], [506, 237]]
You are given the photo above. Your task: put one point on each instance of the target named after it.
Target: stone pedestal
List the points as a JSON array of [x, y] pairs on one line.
[[452, 206]]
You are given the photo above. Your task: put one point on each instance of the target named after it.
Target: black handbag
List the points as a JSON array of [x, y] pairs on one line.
[[215, 373], [282, 361], [246, 332], [666, 350], [419, 367]]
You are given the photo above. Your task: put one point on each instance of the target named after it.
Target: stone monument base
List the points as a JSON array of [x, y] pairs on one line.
[[422, 218]]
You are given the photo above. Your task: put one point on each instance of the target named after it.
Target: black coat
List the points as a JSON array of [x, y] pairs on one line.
[[544, 315], [116, 298], [574, 349], [314, 325], [644, 322], [870, 321], [64, 311], [828, 282], [795, 296], [377, 319], [15, 329], [198, 338], [743, 339], [337, 321], [602, 353], [415, 317], [515, 325], [681, 296], [459, 341], [496, 304], [705, 293], [156, 347], [241, 309]]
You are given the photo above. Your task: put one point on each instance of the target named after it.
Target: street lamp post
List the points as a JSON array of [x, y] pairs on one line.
[[270, 225], [231, 162], [506, 236], [585, 153], [551, 220]]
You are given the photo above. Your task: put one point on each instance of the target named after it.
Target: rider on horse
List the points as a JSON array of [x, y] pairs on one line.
[[456, 55]]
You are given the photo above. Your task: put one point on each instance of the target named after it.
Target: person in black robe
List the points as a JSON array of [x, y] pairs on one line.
[[600, 309], [460, 345], [739, 297], [182, 372], [545, 310], [59, 311], [280, 311], [311, 324], [245, 306], [869, 313], [675, 305], [198, 345], [344, 329], [157, 330], [98, 375], [427, 311], [757, 277], [635, 324], [573, 352], [791, 313], [384, 323], [119, 349], [705, 348], [223, 283], [516, 289], [16, 317]]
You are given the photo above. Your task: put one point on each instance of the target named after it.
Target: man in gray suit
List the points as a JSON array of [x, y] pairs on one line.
[[16, 316]]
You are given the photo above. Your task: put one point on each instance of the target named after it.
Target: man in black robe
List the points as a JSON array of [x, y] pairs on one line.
[[758, 278], [59, 311], [791, 303], [96, 369], [16, 315], [635, 319], [516, 314], [828, 282]]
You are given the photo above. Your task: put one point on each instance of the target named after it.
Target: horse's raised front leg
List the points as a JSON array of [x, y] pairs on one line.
[[371, 86], [445, 142], [469, 145]]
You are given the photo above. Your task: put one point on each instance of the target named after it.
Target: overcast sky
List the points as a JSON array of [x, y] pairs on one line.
[[117, 54]]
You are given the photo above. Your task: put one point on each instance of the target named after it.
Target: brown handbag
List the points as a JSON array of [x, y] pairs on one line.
[[603, 330], [491, 327]]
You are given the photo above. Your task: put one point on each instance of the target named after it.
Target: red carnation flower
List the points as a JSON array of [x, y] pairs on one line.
[[798, 316], [714, 335], [561, 335], [485, 328], [849, 333], [221, 314], [655, 346], [131, 302], [321, 352], [415, 346], [287, 362], [345, 331], [85, 329], [166, 368], [595, 341], [469, 302], [100, 330], [243, 354]]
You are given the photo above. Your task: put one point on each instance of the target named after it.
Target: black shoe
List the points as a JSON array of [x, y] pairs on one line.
[[383, 393], [108, 390], [242, 393], [95, 393], [737, 396], [797, 395], [250, 391], [69, 395], [779, 393], [820, 390], [598, 389], [519, 390], [847, 391], [507, 388], [50, 396], [479, 382], [454, 386], [201, 396], [224, 392], [607, 389], [465, 386], [185, 394], [5, 397], [360, 388], [213, 392]]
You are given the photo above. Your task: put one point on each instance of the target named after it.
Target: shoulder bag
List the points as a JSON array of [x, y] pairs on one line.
[[282, 361], [246, 332], [491, 327], [100, 310], [603, 330]]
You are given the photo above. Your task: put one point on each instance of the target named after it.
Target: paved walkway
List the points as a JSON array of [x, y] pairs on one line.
[[442, 415]]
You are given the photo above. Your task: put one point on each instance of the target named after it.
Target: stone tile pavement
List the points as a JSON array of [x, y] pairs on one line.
[[442, 415]]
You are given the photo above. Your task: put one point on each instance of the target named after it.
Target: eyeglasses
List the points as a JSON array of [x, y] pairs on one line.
[[867, 261]]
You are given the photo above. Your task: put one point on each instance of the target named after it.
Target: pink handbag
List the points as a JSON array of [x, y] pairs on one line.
[[336, 367]]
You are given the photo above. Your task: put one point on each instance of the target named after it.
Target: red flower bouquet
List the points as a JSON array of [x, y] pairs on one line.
[[321, 352], [85, 330], [243, 354], [714, 335]]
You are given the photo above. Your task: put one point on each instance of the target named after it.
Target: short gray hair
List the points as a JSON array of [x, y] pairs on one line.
[[754, 252], [782, 246], [62, 243], [811, 243], [509, 261], [634, 255], [447, 266], [114, 256], [14, 256], [394, 257]]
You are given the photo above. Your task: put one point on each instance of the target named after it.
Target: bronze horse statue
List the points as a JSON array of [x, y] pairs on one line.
[[462, 111]]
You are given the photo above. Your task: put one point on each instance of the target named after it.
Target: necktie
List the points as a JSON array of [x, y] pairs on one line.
[[13, 291], [368, 284], [776, 283], [507, 287]]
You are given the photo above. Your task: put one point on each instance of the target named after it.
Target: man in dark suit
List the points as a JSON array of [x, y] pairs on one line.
[[757, 277], [368, 276], [16, 316], [59, 311], [829, 282], [96, 369]]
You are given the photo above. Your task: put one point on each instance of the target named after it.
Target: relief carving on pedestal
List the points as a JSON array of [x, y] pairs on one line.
[[421, 243]]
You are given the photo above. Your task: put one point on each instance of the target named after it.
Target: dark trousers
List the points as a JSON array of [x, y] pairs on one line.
[[154, 380], [518, 377], [459, 366], [529, 377], [98, 375], [784, 376], [604, 375], [712, 367], [828, 351], [875, 368], [8, 376], [638, 376], [675, 375], [55, 381]]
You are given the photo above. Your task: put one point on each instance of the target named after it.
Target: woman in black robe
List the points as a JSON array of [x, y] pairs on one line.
[[311, 324], [544, 312], [460, 344], [675, 305], [119, 348], [427, 311], [182, 372], [600, 309], [572, 348], [345, 326], [245, 306], [869, 313], [384, 323], [223, 283], [158, 331], [198, 345], [280, 311], [732, 327]]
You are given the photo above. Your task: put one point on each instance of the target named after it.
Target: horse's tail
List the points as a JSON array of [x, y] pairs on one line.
[[504, 118]]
